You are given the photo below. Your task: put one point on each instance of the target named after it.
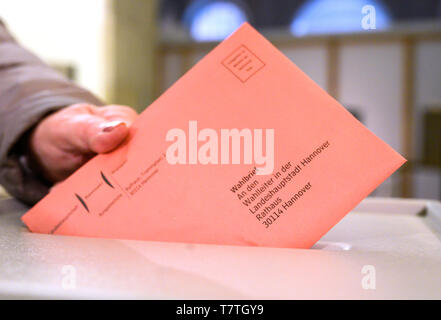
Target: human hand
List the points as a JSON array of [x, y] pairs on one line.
[[66, 139]]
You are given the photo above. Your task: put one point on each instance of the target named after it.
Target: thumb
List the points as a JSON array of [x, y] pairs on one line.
[[94, 134], [107, 136]]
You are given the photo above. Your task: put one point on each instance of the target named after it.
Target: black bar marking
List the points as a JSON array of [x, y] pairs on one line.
[[82, 202], [105, 180]]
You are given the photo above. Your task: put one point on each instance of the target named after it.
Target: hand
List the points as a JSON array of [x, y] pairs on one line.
[[66, 139]]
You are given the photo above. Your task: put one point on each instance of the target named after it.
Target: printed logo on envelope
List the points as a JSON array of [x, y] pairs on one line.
[[243, 63]]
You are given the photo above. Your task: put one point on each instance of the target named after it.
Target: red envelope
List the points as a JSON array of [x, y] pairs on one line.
[[245, 149]]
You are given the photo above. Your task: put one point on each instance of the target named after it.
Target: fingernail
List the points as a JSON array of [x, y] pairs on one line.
[[110, 126]]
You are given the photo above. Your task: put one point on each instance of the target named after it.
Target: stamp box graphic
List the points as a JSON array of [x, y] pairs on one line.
[[243, 63], [325, 161]]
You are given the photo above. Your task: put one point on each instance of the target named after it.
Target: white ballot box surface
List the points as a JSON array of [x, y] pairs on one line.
[[385, 248]]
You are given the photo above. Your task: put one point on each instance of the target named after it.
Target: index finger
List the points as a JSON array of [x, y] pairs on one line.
[[117, 113]]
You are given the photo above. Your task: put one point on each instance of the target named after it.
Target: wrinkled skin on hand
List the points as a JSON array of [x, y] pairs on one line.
[[66, 139]]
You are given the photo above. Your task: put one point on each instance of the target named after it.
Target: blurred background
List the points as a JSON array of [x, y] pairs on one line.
[[381, 59]]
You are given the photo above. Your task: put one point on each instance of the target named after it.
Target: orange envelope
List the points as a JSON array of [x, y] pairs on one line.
[[244, 149]]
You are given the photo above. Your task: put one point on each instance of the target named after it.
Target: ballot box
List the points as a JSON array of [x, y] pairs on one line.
[[384, 249]]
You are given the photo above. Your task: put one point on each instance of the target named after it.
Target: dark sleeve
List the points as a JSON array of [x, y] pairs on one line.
[[29, 90]]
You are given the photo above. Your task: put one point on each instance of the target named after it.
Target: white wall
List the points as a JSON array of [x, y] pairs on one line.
[[312, 60], [370, 80], [62, 31]]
